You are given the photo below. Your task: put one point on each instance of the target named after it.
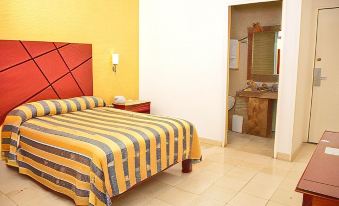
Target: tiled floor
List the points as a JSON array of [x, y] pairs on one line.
[[226, 177], [250, 143]]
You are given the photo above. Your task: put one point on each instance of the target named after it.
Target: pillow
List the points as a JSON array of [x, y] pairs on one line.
[[10, 130]]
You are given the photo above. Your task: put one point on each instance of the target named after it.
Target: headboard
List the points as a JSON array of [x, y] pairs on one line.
[[32, 71]]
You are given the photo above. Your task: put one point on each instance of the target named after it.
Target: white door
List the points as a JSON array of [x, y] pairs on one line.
[[325, 99]]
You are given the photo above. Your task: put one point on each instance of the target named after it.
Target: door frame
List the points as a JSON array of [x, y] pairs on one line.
[[314, 61], [225, 141]]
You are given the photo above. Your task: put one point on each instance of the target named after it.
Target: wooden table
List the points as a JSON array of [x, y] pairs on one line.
[[135, 106], [320, 181]]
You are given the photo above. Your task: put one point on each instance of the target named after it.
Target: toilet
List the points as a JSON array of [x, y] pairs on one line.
[[231, 102]]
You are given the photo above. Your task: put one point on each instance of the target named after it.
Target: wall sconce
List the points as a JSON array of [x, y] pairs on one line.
[[115, 61]]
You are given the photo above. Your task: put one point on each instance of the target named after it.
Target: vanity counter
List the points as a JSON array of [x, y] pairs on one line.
[[259, 94]]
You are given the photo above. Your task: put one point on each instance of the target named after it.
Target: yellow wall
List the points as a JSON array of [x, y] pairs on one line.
[[109, 25]]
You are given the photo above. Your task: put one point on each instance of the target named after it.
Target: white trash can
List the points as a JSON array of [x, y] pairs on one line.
[[237, 122]]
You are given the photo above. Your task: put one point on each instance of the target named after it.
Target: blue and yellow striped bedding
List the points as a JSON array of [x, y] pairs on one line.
[[90, 152]]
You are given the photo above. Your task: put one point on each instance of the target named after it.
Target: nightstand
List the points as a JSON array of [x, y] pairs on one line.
[[135, 106]]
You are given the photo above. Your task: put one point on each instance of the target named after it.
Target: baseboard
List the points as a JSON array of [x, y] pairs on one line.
[[210, 141], [296, 151], [284, 156]]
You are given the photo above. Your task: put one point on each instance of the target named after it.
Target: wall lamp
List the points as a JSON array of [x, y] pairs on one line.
[[115, 61]]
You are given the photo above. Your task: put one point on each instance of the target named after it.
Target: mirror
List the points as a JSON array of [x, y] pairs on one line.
[[263, 64]]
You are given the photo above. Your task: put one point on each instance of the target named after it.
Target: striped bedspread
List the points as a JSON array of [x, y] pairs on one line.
[[90, 152]]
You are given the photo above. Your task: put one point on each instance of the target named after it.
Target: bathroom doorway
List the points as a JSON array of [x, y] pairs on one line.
[[254, 67]]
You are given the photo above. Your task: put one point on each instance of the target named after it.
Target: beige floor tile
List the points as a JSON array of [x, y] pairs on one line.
[[264, 178], [15, 184], [261, 189], [289, 184], [204, 201], [11, 180], [195, 185], [170, 179], [217, 158], [243, 173], [176, 170], [5, 201], [213, 150], [243, 199], [287, 197], [254, 149], [177, 197], [218, 194], [51, 200], [7, 172], [156, 202], [61, 201], [152, 188], [251, 144], [272, 203], [227, 176], [231, 182], [281, 164], [258, 159], [132, 198], [294, 175], [233, 162], [205, 146], [202, 174], [252, 165], [200, 166], [27, 195], [270, 170], [218, 168], [299, 166]]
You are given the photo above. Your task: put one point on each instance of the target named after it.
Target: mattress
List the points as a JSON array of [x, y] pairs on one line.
[[90, 152]]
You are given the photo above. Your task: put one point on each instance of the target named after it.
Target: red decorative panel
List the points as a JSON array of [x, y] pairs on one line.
[[47, 93], [59, 44], [32, 71], [38, 48], [52, 66], [83, 76], [11, 53], [75, 54], [67, 87]]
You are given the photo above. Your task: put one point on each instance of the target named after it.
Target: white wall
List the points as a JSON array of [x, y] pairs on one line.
[[305, 72], [291, 18], [305, 77], [183, 56], [183, 61]]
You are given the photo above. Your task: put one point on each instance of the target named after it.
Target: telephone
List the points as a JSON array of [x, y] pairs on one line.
[[119, 99]]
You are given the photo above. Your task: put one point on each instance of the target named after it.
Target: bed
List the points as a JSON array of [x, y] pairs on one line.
[[79, 146], [90, 152]]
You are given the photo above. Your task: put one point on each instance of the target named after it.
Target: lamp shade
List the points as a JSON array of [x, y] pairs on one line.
[[115, 59]]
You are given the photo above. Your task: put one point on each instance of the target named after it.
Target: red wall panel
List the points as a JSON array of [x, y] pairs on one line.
[[67, 87], [75, 54], [52, 66], [11, 53], [38, 48], [83, 76], [32, 71]]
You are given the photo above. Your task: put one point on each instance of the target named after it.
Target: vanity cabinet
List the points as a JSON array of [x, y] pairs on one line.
[[259, 112]]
